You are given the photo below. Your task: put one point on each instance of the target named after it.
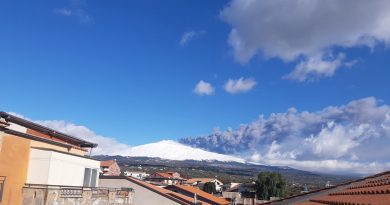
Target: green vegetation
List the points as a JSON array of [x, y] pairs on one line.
[[270, 184], [209, 187]]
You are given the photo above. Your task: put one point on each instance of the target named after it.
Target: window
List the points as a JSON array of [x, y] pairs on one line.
[[87, 177], [94, 178], [2, 181], [90, 177]]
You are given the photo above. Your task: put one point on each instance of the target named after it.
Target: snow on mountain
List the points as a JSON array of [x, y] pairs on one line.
[[168, 149]]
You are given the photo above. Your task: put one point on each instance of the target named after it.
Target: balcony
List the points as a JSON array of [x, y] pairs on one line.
[[34, 194]]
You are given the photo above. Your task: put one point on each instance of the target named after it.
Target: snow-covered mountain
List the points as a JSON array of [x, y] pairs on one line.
[[168, 149]]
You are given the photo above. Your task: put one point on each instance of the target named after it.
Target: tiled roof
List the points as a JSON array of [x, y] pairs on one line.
[[371, 190], [201, 194], [107, 163], [164, 175], [167, 193], [202, 180]]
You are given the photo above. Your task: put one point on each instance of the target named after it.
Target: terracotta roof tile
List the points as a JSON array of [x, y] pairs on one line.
[[202, 194], [202, 180], [370, 190], [166, 192], [107, 163]]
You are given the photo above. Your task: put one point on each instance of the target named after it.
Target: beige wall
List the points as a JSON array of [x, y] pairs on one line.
[[14, 155], [142, 196], [58, 148]]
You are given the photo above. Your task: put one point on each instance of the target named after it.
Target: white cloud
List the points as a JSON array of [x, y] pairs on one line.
[[351, 138], [240, 85], [316, 67], [106, 145], [75, 9], [305, 31], [189, 36], [64, 11], [204, 88]]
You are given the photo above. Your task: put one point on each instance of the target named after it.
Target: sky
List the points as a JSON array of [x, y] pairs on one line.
[[138, 72]]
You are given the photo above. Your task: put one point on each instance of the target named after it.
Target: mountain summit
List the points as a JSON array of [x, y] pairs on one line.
[[168, 149]]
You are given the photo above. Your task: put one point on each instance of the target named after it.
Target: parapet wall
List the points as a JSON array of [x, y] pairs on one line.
[[56, 195]]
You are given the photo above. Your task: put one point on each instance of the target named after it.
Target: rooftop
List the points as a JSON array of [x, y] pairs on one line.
[[46, 131], [201, 194], [107, 163]]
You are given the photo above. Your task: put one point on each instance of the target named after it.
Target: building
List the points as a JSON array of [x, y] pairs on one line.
[[136, 174], [149, 194], [191, 191], [37, 162], [200, 182], [165, 178], [110, 168]]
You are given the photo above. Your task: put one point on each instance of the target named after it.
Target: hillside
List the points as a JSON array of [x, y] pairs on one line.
[[225, 171]]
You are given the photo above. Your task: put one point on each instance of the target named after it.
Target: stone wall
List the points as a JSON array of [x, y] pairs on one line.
[[43, 195]]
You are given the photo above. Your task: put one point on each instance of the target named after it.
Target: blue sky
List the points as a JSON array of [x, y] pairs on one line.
[[119, 69]]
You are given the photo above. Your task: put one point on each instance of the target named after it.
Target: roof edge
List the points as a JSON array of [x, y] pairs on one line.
[[26, 123]]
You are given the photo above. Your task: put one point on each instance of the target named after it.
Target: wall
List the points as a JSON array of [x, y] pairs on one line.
[[143, 196], [52, 196], [14, 155], [58, 148], [54, 168], [114, 170]]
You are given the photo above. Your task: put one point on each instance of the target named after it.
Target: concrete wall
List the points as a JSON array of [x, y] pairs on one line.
[[58, 148], [143, 196], [14, 155], [54, 168], [52, 196]]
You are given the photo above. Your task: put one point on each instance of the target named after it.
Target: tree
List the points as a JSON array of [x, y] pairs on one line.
[[209, 187], [270, 184]]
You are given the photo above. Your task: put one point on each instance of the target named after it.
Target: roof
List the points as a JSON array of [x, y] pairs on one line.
[[107, 163], [46, 130], [369, 190], [201, 194], [184, 200], [164, 175], [202, 180]]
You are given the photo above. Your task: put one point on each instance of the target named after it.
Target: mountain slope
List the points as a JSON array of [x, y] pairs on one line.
[[168, 149]]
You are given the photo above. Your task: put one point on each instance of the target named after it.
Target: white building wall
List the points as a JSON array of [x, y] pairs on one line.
[[142, 195], [54, 168]]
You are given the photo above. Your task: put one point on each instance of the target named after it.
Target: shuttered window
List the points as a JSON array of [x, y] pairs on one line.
[[2, 182]]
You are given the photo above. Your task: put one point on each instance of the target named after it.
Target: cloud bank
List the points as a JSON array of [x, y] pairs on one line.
[[343, 139], [106, 145], [308, 32]]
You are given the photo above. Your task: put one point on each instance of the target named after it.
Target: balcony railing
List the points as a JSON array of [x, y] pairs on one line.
[[121, 196]]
